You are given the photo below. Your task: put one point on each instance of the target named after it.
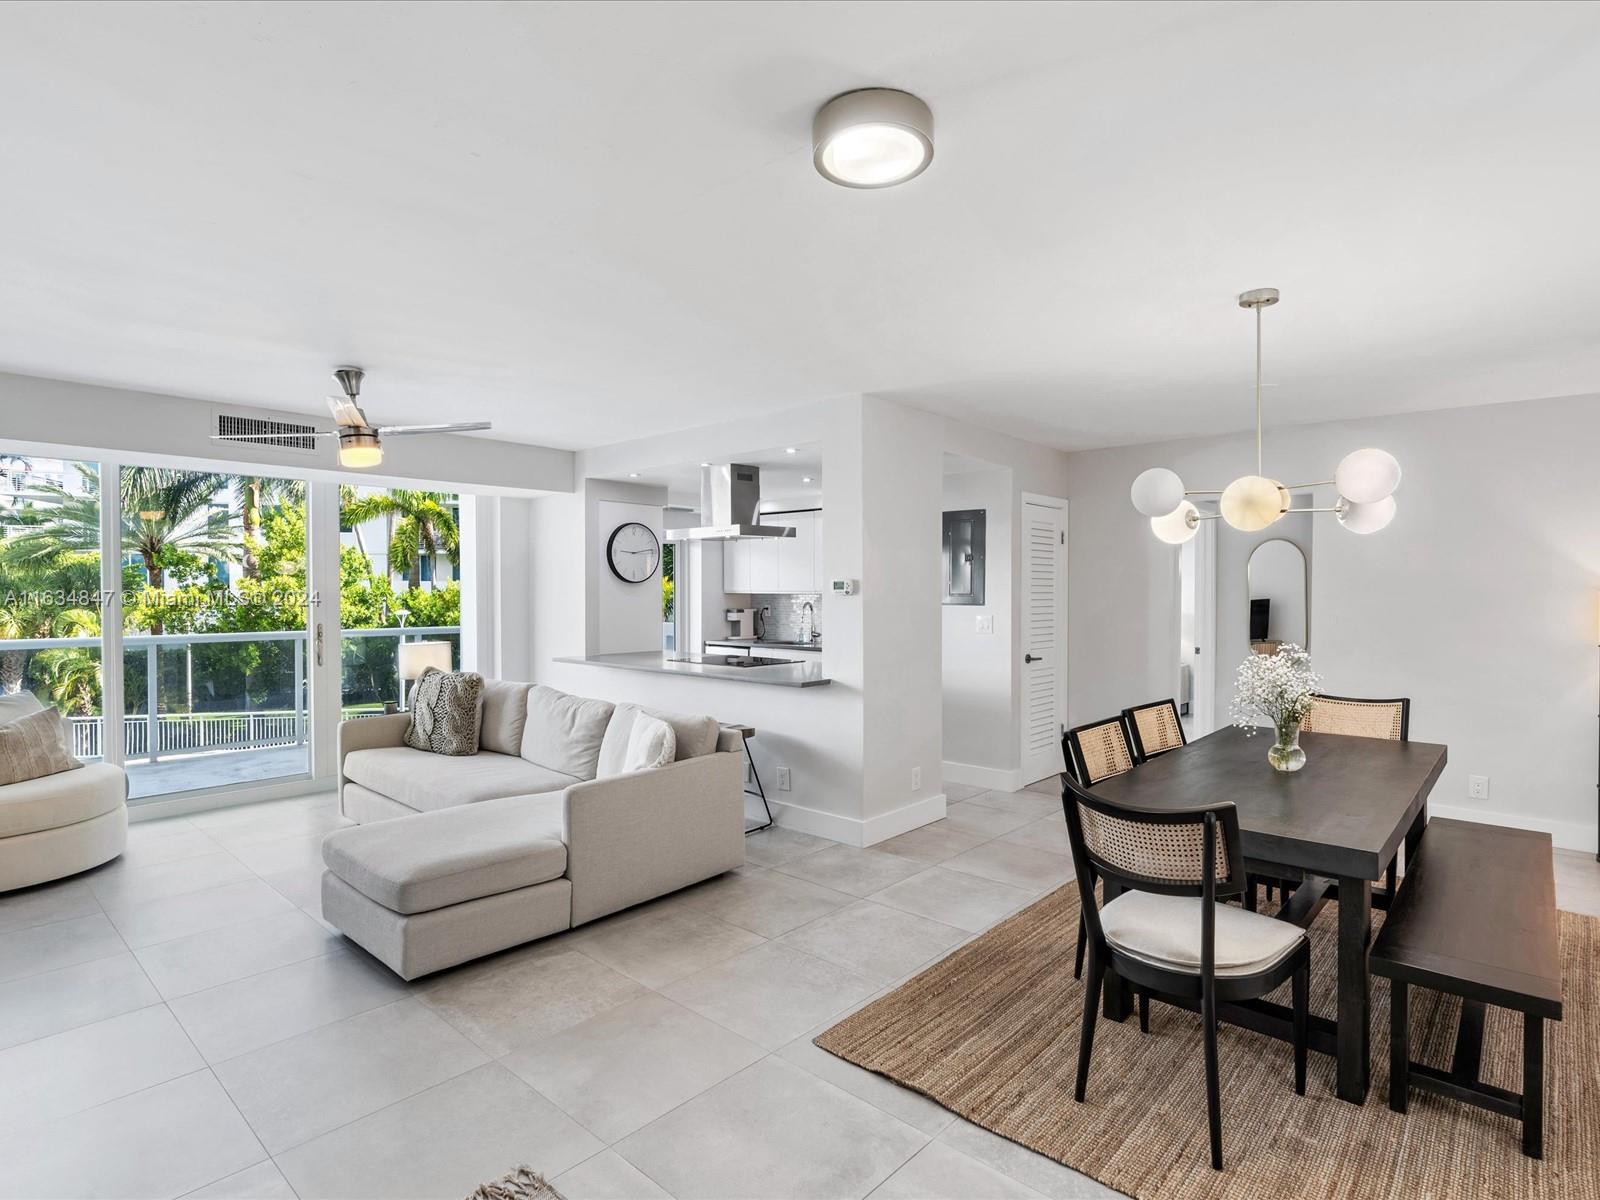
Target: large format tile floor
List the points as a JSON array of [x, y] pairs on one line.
[[181, 1022]]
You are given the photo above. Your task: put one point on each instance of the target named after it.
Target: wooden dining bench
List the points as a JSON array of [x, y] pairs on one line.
[[1476, 917]]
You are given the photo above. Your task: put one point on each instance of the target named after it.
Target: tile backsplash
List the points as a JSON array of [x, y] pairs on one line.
[[783, 623]]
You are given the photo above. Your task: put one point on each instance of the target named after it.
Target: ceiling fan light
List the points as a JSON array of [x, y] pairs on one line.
[[1365, 518], [1157, 492], [1177, 526], [1253, 502], [359, 451], [1367, 476], [872, 138]]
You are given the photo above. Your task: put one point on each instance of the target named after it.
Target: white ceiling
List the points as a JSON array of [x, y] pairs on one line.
[[590, 223]]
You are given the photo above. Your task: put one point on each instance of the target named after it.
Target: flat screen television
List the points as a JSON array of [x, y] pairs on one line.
[[1258, 619]]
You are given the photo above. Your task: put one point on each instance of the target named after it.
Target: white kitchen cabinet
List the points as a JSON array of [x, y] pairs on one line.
[[776, 566], [797, 568], [736, 566], [763, 565]]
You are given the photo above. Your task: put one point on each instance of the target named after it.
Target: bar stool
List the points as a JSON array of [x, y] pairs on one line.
[[746, 732]]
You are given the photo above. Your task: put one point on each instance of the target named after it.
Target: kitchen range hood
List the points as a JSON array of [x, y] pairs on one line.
[[730, 506]]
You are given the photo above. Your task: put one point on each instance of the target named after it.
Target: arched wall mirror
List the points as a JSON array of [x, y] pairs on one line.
[[1280, 600]]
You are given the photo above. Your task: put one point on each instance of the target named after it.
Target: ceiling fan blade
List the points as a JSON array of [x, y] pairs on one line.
[[454, 427], [346, 411], [270, 437]]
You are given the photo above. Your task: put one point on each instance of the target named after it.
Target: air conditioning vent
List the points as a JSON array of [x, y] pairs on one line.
[[286, 435]]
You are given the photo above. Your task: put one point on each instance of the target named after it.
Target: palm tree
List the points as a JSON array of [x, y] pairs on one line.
[[255, 493], [162, 510], [25, 610], [420, 524]]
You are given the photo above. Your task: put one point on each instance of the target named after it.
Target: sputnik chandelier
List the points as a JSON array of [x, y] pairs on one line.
[[1365, 479]]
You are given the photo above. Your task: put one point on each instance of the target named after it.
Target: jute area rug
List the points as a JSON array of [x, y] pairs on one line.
[[991, 1033]]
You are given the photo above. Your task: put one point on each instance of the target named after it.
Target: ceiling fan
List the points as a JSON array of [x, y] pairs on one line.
[[360, 441]]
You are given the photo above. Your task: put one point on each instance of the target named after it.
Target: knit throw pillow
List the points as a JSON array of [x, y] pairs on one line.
[[445, 712], [34, 746]]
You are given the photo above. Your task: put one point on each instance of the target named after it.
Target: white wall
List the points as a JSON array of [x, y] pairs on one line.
[[1479, 602], [977, 675], [901, 498]]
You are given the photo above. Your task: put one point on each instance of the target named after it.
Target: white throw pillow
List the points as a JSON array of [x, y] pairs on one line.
[[696, 735], [18, 705], [651, 744]]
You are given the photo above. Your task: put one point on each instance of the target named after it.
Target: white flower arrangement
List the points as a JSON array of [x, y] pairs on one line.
[[1275, 686]]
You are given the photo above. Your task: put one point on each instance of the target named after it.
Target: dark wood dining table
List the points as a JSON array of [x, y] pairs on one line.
[[1333, 828]]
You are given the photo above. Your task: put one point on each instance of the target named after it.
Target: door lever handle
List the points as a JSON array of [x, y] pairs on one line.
[[1027, 658], [319, 643]]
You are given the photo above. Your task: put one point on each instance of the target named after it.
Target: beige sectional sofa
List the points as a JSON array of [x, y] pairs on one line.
[[459, 856]]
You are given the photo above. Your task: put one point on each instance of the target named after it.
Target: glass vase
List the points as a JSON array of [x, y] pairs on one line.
[[1286, 754]]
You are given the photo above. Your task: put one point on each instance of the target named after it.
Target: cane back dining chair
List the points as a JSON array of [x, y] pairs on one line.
[[1166, 932], [1094, 752], [1388, 719], [1355, 717], [1155, 728]]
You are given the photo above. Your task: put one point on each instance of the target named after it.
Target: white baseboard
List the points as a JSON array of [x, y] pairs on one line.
[[231, 797], [851, 831], [990, 779], [1567, 835]]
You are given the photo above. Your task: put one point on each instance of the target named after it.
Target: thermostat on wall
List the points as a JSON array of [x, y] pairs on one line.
[[844, 587]]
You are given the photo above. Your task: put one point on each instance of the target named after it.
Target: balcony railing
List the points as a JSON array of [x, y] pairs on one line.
[[149, 735]]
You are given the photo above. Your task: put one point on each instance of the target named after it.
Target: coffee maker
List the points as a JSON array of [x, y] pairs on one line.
[[742, 622]]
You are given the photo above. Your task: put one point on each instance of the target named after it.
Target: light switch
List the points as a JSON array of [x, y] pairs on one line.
[[985, 622]]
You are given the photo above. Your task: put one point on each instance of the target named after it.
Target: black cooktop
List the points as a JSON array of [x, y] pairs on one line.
[[733, 660]]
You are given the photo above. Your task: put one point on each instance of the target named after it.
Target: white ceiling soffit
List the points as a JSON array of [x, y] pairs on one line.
[[591, 223]]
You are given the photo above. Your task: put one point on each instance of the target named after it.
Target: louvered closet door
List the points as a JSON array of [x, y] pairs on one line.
[[1043, 639]]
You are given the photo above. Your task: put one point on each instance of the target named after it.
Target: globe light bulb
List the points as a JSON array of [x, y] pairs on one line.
[[1157, 492], [1367, 476], [1366, 518], [1177, 526], [1253, 502]]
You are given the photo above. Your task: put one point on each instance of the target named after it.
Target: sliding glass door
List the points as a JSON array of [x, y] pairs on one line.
[[214, 629], [179, 619], [50, 592]]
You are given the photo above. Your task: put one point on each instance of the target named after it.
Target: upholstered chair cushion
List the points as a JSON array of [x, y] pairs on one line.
[[651, 744], [1164, 931], [564, 732]]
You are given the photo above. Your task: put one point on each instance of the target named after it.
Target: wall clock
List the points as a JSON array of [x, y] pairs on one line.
[[632, 552]]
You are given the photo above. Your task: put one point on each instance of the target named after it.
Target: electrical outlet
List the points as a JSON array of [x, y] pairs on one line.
[[985, 622], [1478, 787], [783, 779], [916, 778]]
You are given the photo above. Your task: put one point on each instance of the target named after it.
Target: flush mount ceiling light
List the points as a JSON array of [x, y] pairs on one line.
[[872, 138], [1365, 479]]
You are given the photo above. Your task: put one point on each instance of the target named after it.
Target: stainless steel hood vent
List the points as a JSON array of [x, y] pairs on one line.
[[730, 505]]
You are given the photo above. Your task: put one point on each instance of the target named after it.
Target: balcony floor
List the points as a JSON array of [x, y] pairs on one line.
[[221, 768]]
